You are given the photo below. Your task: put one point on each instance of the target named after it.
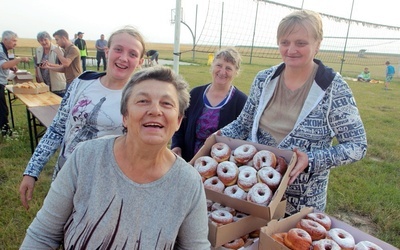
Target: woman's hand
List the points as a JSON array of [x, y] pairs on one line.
[[301, 164]]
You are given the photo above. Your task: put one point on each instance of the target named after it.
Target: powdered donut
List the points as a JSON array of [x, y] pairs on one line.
[[221, 217], [325, 244], [220, 152], [298, 239], [321, 218], [264, 158], [235, 192], [314, 229], [206, 166], [260, 193], [219, 206], [281, 165], [269, 176], [343, 238], [234, 244], [227, 172], [367, 245], [244, 153], [247, 177], [215, 184], [209, 204]]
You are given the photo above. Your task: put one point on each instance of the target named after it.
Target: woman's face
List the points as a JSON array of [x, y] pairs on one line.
[[298, 48], [123, 57], [45, 42], [223, 72], [153, 112]]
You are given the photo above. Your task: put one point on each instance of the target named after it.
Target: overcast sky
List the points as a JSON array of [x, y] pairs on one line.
[[152, 17]]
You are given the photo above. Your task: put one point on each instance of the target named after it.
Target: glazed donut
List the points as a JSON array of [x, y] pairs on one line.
[[344, 239], [325, 244], [297, 239], [367, 245], [260, 194], [314, 229], [264, 158], [321, 218], [221, 217], [215, 184], [206, 166], [244, 153], [247, 177], [234, 244], [279, 237], [219, 206], [269, 176], [239, 216], [235, 192], [227, 172], [255, 233], [220, 152], [281, 165]]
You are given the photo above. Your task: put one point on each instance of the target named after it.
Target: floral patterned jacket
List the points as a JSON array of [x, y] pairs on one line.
[[83, 92], [329, 112]]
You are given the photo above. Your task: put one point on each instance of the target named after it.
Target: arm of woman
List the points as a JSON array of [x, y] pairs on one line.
[[47, 229], [193, 233], [346, 123], [241, 126]]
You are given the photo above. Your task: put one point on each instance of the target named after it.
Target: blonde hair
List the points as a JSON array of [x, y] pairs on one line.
[[307, 18]]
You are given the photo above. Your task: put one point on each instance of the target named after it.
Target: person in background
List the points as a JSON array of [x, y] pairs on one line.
[[45, 53], [389, 74], [212, 105], [9, 41], [364, 76], [136, 194], [73, 39], [302, 105], [101, 46], [81, 44], [87, 110], [153, 55], [68, 56]]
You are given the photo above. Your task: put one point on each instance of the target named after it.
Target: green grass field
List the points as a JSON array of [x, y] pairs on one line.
[[365, 194]]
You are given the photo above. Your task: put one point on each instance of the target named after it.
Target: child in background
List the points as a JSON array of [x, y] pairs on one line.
[[389, 74]]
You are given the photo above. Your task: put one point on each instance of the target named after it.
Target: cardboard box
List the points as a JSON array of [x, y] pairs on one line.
[[219, 235], [260, 215], [275, 226], [251, 244], [20, 76]]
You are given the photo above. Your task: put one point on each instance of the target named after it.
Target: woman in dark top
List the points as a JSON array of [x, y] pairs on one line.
[[212, 106]]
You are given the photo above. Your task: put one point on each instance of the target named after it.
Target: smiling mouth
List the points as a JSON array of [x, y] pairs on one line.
[[153, 125], [121, 66]]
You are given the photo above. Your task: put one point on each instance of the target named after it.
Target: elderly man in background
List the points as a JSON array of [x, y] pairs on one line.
[[8, 41]]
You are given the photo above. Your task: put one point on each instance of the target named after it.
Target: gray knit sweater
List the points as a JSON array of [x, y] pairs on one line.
[[93, 205]]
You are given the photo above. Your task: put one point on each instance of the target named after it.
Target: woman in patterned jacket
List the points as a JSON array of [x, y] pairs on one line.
[[302, 105]]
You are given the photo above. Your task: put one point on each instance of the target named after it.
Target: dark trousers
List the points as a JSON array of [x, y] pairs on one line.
[[101, 55], [3, 107], [83, 59]]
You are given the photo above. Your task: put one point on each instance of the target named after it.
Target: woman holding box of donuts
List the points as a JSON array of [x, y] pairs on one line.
[[302, 105]]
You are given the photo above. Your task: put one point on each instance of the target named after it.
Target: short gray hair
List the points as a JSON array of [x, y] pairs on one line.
[[8, 34], [43, 35], [160, 73]]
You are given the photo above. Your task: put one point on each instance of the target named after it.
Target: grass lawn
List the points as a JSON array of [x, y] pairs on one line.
[[365, 194]]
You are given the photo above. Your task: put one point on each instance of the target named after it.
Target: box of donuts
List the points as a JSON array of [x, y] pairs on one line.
[[311, 229], [248, 177]]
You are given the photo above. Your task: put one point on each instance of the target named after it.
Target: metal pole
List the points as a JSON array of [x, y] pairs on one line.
[[254, 34], [222, 20], [177, 35], [195, 32], [345, 44]]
